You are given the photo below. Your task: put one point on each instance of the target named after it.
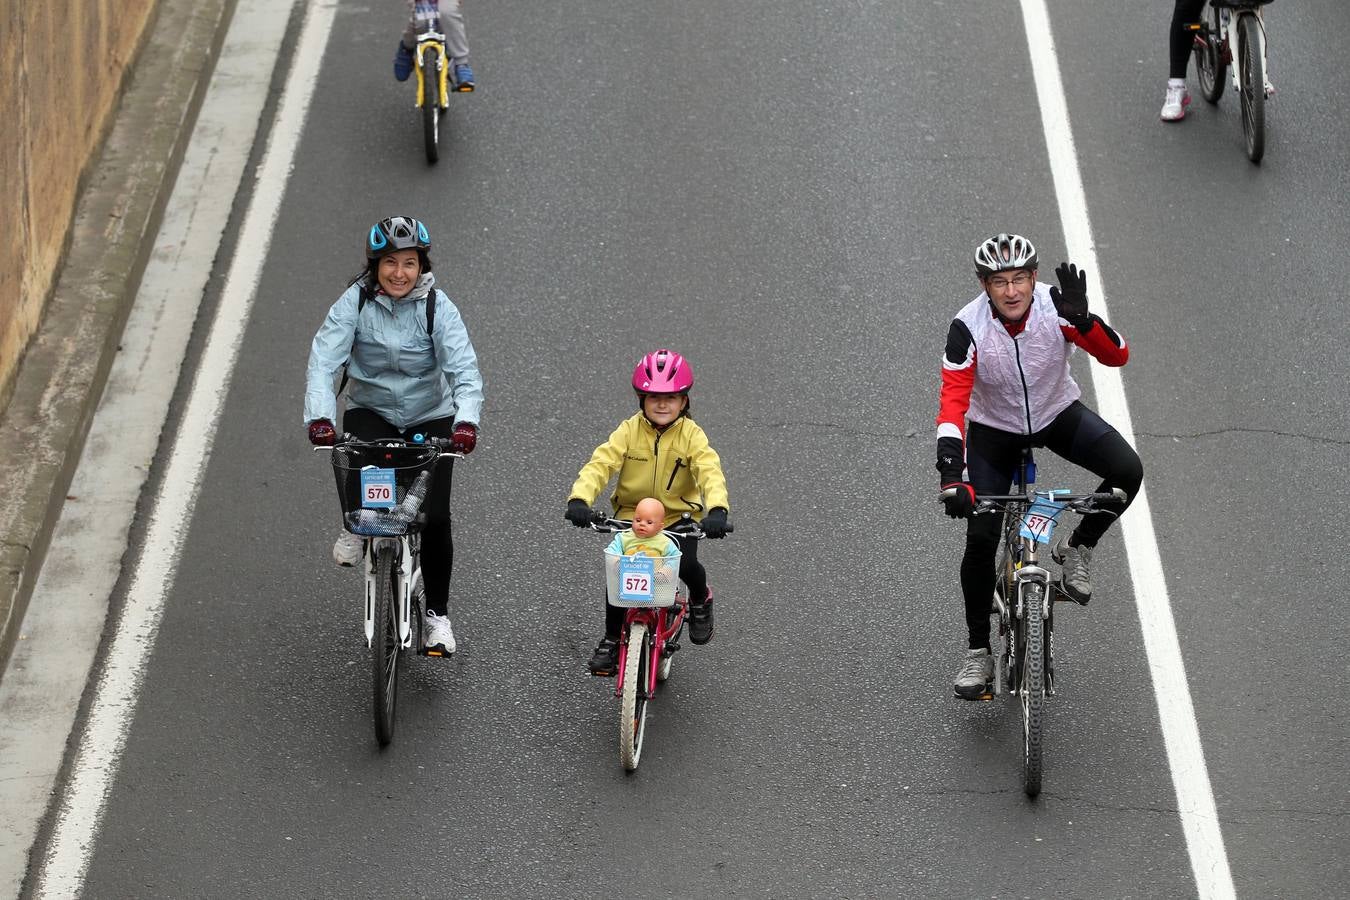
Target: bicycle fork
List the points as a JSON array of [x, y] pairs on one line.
[[438, 87], [403, 587], [1230, 44], [1027, 575]]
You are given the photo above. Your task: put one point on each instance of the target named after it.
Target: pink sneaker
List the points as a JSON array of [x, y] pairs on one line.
[[1174, 105]]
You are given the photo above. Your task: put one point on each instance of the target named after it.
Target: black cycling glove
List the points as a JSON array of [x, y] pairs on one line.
[[715, 524], [961, 502], [578, 513], [1070, 298]]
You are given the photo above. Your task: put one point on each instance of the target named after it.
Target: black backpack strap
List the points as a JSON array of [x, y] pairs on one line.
[[361, 299]]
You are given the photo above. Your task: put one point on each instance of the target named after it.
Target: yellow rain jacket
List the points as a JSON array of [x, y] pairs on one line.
[[676, 466]]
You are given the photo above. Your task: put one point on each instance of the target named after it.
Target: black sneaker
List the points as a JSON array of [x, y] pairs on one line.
[[701, 621], [605, 659]]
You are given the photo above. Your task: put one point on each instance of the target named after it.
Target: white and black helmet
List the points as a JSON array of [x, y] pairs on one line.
[[1002, 252]]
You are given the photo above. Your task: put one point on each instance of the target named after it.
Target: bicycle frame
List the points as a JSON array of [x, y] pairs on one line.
[[664, 624]]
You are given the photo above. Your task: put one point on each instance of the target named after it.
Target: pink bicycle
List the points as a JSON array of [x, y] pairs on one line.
[[657, 604]]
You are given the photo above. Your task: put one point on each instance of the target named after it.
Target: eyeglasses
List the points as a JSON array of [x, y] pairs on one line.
[[1021, 279]]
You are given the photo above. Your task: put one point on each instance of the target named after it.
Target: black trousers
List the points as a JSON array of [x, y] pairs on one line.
[[1079, 435], [692, 573], [1179, 40], [438, 549]]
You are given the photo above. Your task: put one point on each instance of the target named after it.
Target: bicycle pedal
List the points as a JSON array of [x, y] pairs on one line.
[[435, 652], [672, 646], [595, 674]]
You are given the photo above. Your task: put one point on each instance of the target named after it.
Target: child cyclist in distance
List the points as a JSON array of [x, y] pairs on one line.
[[658, 452]]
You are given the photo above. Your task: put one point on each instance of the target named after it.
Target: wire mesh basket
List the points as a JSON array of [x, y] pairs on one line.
[[632, 590], [400, 513]]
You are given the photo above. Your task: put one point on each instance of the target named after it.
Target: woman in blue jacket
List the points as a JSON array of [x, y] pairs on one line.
[[411, 369]]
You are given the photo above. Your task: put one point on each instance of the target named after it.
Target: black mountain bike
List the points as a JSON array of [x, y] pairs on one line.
[[1024, 602]]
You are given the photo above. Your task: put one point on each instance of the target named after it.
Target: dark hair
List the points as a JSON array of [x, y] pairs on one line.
[[370, 274]]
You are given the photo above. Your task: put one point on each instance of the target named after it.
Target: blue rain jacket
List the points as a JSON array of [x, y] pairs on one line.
[[395, 369]]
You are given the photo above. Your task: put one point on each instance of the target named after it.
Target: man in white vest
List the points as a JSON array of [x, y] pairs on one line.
[[1006, 385]]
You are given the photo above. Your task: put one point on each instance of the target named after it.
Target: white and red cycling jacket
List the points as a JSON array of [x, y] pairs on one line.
[[1012, 376]]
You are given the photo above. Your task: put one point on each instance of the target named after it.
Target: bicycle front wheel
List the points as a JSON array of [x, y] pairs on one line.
[[1211, 69], [431, 103], [385, 647], [1252, 81], [633, 701], [1031, 685]]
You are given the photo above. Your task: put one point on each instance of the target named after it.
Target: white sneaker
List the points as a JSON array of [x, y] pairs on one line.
[[974, 676], [347, 550], [437, 634], [1174, 105]]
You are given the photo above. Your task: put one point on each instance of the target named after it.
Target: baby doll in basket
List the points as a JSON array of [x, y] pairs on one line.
[[646, 537]]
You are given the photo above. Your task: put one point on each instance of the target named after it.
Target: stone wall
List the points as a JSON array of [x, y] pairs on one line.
[[61, 69]]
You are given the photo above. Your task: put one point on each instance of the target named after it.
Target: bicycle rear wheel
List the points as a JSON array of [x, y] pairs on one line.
[[431, 103], [1211, 69], [1031, 685], [1252, 85], [633, 701], [385, 647]]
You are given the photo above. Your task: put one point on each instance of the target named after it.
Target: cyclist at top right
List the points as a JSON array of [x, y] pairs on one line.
[[1180, 40], [1006, 385]]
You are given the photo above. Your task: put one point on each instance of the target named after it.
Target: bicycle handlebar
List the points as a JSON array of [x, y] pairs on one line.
[[444, 445], [685, 528], [1079, 503]]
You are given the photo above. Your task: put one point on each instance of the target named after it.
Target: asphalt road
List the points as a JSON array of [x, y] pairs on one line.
[[788, 193]]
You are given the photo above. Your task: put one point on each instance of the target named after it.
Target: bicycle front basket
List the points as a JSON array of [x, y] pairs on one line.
[[634, 589], [406, 463]]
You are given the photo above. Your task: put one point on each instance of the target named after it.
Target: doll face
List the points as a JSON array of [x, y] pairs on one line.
[[662, 409], [648, 517]]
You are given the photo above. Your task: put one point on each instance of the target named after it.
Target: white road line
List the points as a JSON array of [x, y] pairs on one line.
[[1190, 778], [102, 743]]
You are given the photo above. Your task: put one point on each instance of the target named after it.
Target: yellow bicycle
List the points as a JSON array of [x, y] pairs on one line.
[[433, 75]]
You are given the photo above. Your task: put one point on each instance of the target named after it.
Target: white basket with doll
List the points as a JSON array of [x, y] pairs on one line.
[[641, 580]]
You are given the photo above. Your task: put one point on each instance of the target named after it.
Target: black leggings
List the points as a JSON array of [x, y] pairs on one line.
[[1179, 40], [1079, 435], [438, 549], [692, 574]]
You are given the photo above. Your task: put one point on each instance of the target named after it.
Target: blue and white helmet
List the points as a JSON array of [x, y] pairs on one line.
[[1003, 252], [396, 233]]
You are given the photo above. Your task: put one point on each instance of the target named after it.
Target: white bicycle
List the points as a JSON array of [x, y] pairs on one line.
[[1234, 32], [382, 485]]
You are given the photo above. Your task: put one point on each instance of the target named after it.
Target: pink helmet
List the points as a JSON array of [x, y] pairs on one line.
[[663, 372]]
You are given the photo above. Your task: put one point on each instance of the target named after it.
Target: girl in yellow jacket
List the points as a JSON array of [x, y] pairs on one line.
[[661, 453]]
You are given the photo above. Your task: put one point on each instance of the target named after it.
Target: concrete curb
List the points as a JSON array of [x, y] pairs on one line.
[[65, 367]]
